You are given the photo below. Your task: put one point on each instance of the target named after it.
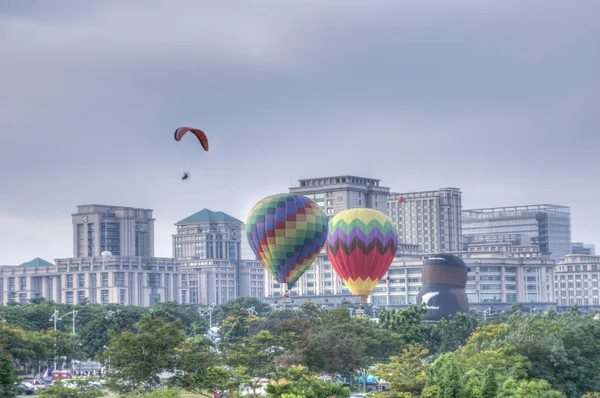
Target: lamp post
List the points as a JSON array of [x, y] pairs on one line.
[[55, 318], [208, 311]]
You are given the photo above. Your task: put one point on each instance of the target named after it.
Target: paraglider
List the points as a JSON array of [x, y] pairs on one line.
[[181, 131], [361, 246], [199, 134], [287, 233]]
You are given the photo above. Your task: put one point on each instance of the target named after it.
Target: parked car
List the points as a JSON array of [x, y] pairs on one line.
[[27, 388]]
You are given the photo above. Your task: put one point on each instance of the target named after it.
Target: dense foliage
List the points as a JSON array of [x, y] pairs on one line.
[[306, 351]]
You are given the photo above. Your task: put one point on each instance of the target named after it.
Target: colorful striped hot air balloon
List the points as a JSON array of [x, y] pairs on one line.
[[361, 246], [287, 233]]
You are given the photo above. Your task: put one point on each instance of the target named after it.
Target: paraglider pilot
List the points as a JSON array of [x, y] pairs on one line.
[[185, 176]]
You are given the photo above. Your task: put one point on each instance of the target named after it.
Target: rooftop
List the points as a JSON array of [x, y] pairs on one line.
[[37, 262], [205, 215]]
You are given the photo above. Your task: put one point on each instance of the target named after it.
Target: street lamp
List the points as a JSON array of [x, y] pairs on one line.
[[208, 311]]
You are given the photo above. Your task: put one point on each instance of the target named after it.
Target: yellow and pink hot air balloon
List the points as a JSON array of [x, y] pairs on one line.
[[361, 246]]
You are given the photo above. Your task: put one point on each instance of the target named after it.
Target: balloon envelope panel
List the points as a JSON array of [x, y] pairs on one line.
[[361, 245], [287, 233]]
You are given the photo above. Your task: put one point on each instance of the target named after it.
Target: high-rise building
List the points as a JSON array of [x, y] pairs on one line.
[[128, 275], [123, 231], [582, 248], [207, 249], [431, 219], [576, 281], [246, 250], [206, 235], [336, 194], [547, 226]]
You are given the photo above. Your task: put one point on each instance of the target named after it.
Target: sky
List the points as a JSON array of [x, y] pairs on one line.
[[497, 98]]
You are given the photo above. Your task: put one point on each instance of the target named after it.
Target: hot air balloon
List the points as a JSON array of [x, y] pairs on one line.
[[286, 232], [361, 246], [443, 292]]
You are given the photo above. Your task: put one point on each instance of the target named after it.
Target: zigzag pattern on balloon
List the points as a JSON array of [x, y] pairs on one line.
[[358, 233], [357, 243], [367, 228]]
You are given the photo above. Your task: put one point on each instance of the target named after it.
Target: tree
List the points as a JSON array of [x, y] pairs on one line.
[[256, 353], [563, 349], [83, 390], [490, 384], [405, 373], [137, 358], [444, 378], [300, 383], [409, 326], [346, 347], [8, 376], [452, 332], [261, 309]]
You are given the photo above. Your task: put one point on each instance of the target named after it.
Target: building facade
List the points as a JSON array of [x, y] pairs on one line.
[[576, 281], [122, 231], [102, 280], [546, 226], [500, 276], [582, 248], [207, 251], [336, 194], [431, 219]]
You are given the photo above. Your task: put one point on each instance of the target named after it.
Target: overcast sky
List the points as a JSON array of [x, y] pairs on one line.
[[498, 98]]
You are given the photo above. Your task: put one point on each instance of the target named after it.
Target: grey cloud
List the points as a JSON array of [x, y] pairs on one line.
[[497, 98]]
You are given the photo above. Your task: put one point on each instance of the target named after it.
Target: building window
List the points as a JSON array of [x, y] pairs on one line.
[[122, 296], [490, 297], [70, 298], [70, 281], [105, 279], [183, 296], [80, 297], [11, 284], [119, 279], [153, 280], [104, 294], [81, 280], [22, 298], [379, 300]]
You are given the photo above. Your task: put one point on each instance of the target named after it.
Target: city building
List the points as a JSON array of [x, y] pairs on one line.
[[207, 251], [431, 219], [582, 248], [123, 231], [246, 250], [576, 281], [500, 276], [547, 226], [336, 194], [102, 280], [320, 283]]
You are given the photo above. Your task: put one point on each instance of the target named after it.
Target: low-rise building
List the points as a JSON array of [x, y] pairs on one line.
[[102, 280], [576, 281]]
